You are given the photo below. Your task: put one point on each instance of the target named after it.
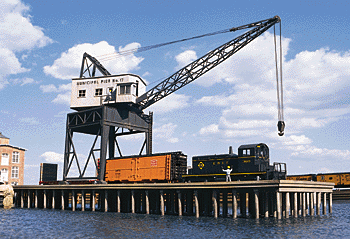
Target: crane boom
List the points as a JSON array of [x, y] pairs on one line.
[[204, 64]]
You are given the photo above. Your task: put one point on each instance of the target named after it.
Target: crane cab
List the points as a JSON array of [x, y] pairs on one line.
[[112, 89]]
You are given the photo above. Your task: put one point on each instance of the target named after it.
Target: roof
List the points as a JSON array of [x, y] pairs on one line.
[[247, 146], [15, 147], [3, 136]]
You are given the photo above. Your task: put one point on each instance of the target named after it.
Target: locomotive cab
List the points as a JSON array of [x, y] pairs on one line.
[[259, 151]]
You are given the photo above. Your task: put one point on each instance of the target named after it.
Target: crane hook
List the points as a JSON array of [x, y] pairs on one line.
[[280, 126]]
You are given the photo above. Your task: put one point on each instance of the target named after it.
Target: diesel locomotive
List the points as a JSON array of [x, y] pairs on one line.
[[251, 163]]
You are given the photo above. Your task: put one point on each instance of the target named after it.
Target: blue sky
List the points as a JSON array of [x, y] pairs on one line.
[[42, 43]]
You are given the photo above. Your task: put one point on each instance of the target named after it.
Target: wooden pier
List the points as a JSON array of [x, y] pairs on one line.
[[256, 199]]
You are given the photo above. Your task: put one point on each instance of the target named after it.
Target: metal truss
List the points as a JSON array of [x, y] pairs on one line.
[[88, 62], [105, 123]]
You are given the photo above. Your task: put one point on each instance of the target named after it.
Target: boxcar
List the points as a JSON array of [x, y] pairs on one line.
[[163, 167]]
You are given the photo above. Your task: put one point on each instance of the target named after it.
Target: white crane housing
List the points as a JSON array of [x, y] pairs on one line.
[[111, 89]]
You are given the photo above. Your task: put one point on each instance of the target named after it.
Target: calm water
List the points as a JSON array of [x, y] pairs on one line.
[[31, 223]]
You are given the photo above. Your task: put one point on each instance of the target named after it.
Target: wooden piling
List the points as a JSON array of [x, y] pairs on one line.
[[330, 203], [162, 202], [256, 202], [118, 201], [22, 199], [196, 202], [287, 204], [62, 199], [106, 201], [44, 199], [179, 202], [147, 201], [234, 204], [215, 203], [82, 200], [35, 200], [278, 205], [295, 207], [318, 203], [312, 204], [304, 204], [92, 200], [73, 200], [53, 199]]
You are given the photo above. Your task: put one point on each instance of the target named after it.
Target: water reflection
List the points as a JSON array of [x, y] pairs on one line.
[[24, 223]]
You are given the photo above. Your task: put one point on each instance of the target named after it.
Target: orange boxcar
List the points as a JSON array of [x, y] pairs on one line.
[[165, 167]]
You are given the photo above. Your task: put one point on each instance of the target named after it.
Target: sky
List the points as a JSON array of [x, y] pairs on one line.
[[42, 44]]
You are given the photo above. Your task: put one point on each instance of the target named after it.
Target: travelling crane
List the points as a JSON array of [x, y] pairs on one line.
[[126, 112]]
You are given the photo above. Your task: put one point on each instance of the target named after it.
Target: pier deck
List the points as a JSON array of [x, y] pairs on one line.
[[264, 198]]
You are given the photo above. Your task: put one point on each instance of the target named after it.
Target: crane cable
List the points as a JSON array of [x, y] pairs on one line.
[[114, 55], [280, 124]]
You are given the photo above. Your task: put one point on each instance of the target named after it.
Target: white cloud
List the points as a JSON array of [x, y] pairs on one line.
[[312, 151], [53, 157], [17, 34], [68, 65], [185, 58], [297, 140], [29, 120], [170, 103], [24, 81], [210, 129], [166, 132], [64, 91], [62, 98]]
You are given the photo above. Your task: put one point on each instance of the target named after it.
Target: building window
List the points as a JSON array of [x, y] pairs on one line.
[[4, 175], [15, 157], [82, 93], [98, 92], [14, 172], [4, 159], [14, 183], [125, 89]]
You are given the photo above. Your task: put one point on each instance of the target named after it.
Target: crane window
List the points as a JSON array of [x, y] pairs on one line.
[[125, 89], [98, 92], [82, 93]]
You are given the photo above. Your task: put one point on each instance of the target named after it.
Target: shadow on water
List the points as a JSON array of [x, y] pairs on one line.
[[24, 223]]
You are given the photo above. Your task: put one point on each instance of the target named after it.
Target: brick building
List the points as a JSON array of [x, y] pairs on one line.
[[11, 162]]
